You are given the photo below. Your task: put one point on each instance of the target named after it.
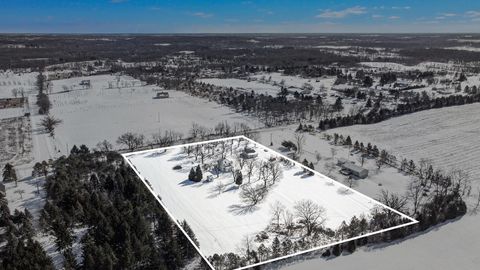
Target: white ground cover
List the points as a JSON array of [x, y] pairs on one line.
[[220, 220], [92, 115], [450, 138], [447, 136]]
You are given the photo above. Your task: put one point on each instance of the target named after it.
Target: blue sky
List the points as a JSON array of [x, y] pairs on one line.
[[209, 16]]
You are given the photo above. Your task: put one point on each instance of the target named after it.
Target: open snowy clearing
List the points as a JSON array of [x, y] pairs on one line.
[[220, 217], [92, 115]]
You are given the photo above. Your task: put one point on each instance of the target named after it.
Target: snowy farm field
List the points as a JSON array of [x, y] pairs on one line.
[[237, 195], [448, 137], [115, 105]]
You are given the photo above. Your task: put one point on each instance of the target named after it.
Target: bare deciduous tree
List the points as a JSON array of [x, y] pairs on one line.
[[415, 194], [393, 200], [275, 171], [251, 164], [311, 214], [299, 141], [277, 210], [131, 140], [251, 195], [49, 123], [104, 146], [288, 220]]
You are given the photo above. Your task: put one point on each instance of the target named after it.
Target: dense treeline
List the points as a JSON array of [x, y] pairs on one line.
[[19, 250], [380, 114], [125, 226]]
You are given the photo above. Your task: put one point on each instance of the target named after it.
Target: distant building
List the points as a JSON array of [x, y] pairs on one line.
[[350, 168], [86, 83], [248, 153], [162, 95]]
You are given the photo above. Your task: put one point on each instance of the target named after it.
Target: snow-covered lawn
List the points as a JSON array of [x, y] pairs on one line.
[[221, 218], [92, 115]]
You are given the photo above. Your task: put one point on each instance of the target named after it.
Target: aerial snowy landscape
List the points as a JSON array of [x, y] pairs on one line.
[[239, 134], [240, 190]]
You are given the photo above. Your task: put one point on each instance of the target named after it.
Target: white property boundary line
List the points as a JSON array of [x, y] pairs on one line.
[[126, 155]]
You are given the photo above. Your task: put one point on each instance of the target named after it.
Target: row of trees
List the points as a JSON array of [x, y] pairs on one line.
[[378, 114]]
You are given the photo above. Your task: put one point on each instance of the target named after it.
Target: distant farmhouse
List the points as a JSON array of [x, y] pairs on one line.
[[162, 95], [349, 168], [86, 83]]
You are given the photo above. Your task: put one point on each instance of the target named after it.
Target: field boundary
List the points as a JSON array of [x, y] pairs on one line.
[[126, 156]]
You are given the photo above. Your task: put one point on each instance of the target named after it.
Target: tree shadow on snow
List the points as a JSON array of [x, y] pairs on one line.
[[188, 182], [344, 191], [238, 209]]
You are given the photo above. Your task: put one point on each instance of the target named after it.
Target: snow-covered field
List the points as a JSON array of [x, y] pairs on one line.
[[450, 138], [221, 220], [11, 82], [447, 136], [92, 115], [387, 178]]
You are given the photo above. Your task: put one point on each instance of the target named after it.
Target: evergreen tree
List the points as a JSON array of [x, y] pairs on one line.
[[276, 248], [198, 174], [238, 178], [9, 174], [192, 175]]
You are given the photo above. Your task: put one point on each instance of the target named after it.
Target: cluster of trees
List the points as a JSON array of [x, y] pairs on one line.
[[125, 227], [267, 174], [19, 249], [43, 101], [195, 174], [133, 141], [303, 229]]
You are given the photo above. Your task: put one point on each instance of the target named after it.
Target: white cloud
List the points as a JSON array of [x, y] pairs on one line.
[[394, 17], [440, 18], [472, 14], [338, 14], [202, 15], [448, 14], [377, 16], [405, 7], [117, 1]]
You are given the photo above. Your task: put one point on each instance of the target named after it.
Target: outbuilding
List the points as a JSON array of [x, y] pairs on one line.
[[355, 170]]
